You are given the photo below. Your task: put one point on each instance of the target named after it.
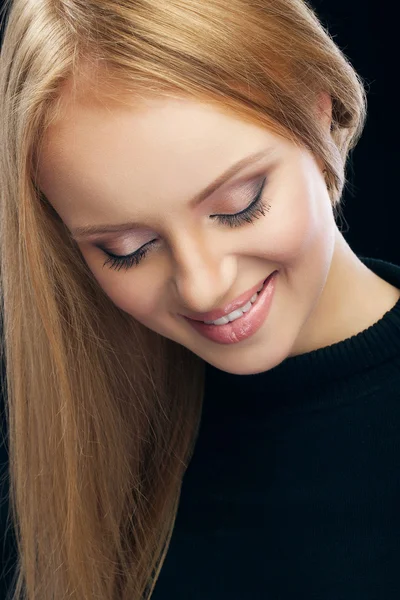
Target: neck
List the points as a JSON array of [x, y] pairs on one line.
[[353, 299]]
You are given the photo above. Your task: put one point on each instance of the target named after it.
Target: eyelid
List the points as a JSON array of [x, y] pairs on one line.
[[253, 193], [114, 255], [248, 192]]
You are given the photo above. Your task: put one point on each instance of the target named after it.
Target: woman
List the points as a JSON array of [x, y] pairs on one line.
[[171, 175]]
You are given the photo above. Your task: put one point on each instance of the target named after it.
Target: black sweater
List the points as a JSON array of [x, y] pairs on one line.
[[293, 491]]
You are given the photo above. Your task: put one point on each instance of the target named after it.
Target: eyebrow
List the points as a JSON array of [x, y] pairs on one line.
[[87, 230]]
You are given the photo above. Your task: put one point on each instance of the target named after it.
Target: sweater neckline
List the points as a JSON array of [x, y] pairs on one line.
[[377, 344]]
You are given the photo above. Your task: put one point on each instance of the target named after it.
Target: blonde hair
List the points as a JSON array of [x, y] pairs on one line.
[[103, 413]]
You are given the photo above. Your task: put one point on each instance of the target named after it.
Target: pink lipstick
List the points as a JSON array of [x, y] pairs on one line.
[[244, 325]]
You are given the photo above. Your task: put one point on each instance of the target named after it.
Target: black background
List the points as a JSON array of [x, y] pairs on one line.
[[366, 31]]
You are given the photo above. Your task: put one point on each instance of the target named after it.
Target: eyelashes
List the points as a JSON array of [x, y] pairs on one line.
[[128, 261], [257, 208]]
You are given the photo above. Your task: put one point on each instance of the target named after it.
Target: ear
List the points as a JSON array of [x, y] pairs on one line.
[[324, 110]]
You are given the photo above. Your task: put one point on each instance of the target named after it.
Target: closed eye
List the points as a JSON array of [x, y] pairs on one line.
[[253, 211]]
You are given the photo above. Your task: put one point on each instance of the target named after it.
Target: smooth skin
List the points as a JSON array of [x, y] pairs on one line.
[[110, 162]]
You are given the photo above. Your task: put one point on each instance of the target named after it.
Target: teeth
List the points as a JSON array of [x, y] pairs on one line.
[[246, 307], [236, 313]]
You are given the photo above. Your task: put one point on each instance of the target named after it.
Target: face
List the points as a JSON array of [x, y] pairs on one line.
[[169, 253]]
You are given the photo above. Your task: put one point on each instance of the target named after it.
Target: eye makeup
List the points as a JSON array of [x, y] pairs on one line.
[[258, 207]]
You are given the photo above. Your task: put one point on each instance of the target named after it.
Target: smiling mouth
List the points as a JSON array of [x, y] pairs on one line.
[[236, 309], [238, 312], [245, 320]]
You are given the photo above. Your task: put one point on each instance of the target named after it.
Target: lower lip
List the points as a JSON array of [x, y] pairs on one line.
[[245, 326]]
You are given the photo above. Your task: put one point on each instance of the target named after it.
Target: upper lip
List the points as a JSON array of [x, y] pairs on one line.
[[240, 301]]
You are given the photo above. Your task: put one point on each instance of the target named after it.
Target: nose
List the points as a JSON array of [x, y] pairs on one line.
[[202, 275]]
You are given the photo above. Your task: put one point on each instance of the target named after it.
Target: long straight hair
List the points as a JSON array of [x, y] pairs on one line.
[[103, 414]]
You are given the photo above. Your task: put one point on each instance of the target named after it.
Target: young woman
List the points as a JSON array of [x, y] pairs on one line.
[[201, 377]]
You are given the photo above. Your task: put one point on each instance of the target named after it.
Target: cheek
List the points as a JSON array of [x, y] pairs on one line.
[[304, 237], [132, 300], [131, 292], [134, 291], [292, 226]]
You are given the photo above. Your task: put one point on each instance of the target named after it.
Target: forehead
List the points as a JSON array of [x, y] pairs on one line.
[[96, 111], [102, 147], [99, 131], [138, 127]]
